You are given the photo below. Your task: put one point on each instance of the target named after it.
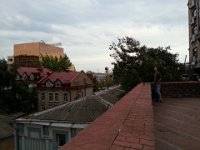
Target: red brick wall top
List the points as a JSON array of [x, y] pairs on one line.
[[127, 125]]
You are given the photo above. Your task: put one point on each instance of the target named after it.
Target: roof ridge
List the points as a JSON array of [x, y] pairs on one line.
[[55, 108], [103, 101], [75, 76]]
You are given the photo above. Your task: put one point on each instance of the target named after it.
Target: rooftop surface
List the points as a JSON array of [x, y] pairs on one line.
[[135, 123], [177, 124], [81, 111], [128, 125]]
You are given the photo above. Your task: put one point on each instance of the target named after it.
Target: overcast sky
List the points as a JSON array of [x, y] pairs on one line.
[[86, 28]]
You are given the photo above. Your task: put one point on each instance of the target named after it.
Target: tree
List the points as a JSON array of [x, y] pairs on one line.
[[134, 63], [55, 63], [7, 83], [14, 96]]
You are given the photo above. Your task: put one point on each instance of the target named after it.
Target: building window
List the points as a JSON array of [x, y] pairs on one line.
[[194, 13], [34, 133], [45, 131], [49, 84], [42, 96], [24, 77], [56, 96], [20, 127], [18, 77], [32, 77], [73, 132], [61, 139], [194, 30], [57, 83], [50, 96], [65, 97]]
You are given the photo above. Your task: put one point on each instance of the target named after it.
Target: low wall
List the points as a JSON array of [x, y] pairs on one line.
[[127, 125], [180, 89]]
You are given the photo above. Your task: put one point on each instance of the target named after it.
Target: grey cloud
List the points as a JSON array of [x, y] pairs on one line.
[[87, 27]]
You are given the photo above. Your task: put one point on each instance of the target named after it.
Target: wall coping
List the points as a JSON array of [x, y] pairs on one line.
[[128, 124]]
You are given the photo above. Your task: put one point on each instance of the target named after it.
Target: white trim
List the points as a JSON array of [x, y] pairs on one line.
[[55, 108], [106, 90], [54, 124]]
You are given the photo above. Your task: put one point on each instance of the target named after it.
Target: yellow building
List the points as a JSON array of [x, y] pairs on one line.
[[29, 54]]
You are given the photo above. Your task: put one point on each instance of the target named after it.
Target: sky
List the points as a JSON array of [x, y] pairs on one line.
[[86, 28]]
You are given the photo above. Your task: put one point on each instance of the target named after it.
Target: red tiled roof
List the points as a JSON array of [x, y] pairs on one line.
[[29, 70], [64, 77]]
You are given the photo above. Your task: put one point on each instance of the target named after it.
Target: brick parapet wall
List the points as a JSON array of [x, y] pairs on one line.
[[180, 89], [127, 125]]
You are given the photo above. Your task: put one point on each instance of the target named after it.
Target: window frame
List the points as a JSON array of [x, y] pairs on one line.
[[57, 83], [42, 96], [60, 143], [65, 97], [56, 96], [50, 96], [48, 84], [45, 131]]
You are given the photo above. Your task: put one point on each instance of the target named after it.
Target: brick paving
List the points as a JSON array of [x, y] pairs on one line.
[[177, 124]]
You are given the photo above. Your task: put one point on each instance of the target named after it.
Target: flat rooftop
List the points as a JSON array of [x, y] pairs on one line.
[[177, 124]]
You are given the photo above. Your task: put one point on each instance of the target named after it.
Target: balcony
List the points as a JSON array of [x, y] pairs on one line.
[[193, 39], [191, 4], [193, 21]]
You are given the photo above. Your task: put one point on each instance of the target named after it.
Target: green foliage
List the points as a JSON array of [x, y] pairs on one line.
[[130, 79], [15, 96], [55, 63], [135, 63]]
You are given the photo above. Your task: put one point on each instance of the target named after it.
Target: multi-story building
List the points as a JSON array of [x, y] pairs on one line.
[[29, 54], [194, 32], [61, 87]]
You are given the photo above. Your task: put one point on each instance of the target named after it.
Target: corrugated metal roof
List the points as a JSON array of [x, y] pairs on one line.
[[81, 111], [112, 95], [86, 110]]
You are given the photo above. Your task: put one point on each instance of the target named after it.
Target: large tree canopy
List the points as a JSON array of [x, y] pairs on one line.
[[55, 63], [134, 63]]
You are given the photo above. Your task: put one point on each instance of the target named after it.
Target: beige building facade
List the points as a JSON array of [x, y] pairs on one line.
[[29, 54], [63, 87]]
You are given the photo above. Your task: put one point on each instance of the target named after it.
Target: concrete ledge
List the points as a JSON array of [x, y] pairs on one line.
[[127, 125], [180, 89]]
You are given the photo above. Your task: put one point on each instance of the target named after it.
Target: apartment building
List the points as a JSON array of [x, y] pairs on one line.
[[29, 54], [194, 33]]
